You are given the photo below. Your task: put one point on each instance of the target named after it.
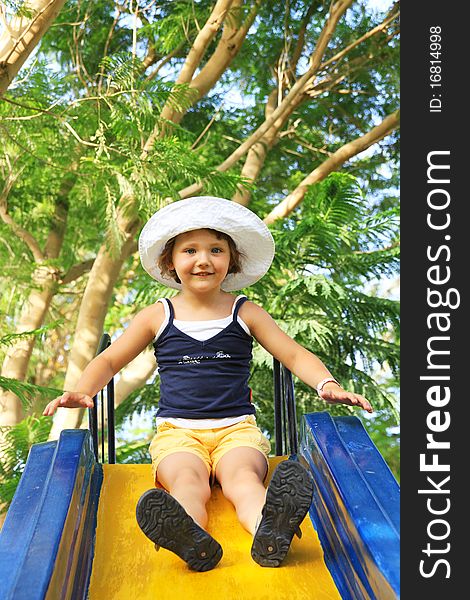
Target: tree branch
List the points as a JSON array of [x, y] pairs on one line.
[[336, 12], [22, 35], [286, 106], [363, 38], [77, 271], [203, 39], [337, 159], [22, 233], [256, 155], [166, 59], [58, 223], [227, 48], [376, 250], [107, 43], [299, 46], [193, 59]]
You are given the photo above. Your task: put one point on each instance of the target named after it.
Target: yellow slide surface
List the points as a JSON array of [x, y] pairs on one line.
[[126, 565]]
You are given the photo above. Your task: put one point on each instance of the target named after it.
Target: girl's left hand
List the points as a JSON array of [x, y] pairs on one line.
[[334, 394]]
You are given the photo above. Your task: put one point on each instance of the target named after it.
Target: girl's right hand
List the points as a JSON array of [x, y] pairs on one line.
[[68, 400]]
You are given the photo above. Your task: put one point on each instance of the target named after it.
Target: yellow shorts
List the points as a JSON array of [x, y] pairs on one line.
[[209, 444]]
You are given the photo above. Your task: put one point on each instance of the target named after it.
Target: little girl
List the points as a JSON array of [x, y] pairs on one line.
[[206, 428]]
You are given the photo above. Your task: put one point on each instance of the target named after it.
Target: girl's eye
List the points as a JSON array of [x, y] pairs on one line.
[[190, 250], [216, 250]]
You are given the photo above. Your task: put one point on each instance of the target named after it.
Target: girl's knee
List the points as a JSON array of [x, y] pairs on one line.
[[241, 464], [183, 470], [190, 481], [241, 483], [190, 476]]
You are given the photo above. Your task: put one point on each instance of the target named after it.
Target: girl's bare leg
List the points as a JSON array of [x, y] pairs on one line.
[[186, 478], [177, 520], [241, 473]]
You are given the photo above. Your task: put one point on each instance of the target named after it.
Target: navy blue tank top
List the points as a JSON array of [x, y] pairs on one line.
[[204, 379]]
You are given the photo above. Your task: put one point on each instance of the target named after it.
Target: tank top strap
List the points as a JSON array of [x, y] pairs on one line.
[[171, 309], [237, 305]]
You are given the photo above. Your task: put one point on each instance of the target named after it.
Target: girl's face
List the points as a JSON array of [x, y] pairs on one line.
[[200, 259]]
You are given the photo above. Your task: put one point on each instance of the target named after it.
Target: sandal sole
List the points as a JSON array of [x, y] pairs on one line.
[[288, 499], [165, 522]]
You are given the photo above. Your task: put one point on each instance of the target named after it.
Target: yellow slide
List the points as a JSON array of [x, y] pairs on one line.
[[126, 565]]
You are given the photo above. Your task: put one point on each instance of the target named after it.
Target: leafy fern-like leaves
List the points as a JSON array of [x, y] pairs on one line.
[[14, 449]]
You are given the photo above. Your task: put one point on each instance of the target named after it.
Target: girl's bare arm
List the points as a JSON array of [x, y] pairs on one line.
[[140, 332], [300, 361]]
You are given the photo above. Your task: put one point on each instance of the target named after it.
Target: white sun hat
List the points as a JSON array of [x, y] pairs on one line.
[[251, 236]]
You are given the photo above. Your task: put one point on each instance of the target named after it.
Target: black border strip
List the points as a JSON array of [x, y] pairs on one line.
[[434, 132]]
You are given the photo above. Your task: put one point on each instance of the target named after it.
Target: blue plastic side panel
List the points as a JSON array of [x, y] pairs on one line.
[[22, 516], [82, 570], [46, 543], [355, 507]]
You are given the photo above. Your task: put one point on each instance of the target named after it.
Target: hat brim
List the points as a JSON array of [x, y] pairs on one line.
[[251, 236]]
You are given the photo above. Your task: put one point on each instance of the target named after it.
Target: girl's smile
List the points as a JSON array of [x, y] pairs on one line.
[[200, 256]]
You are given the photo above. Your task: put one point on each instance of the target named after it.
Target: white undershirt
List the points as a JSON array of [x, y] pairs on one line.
[[201, 330]]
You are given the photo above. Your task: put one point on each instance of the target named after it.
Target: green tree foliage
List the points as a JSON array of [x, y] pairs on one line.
[[85, 108], [17, 441], [385, 435], [25, 391], [325, 255]]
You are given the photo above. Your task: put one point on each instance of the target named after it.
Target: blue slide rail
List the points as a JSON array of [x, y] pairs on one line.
[[356, 507], [47, 541]]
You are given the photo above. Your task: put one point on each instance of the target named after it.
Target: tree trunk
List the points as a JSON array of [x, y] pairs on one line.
[[134, 375], [21, 35], [18, 355], [45, 279], [93, 308]]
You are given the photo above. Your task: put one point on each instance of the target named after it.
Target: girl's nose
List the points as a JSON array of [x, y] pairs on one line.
[[203, 258]]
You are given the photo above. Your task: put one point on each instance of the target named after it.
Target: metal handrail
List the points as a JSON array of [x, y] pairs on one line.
[[277, 408], [285, 418], [106, 416]]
